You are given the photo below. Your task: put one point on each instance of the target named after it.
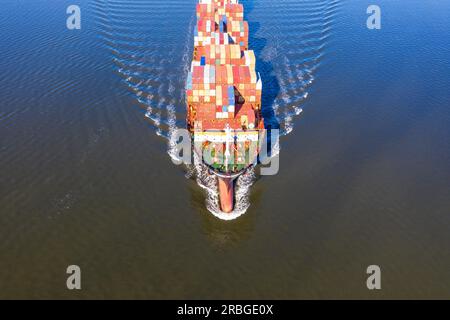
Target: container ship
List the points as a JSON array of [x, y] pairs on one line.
[[223, 93]]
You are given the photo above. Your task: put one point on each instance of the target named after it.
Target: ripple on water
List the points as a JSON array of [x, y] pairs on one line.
[[289, 38]]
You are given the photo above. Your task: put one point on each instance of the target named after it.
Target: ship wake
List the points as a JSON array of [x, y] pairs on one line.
[[208, 182], [289, 37]]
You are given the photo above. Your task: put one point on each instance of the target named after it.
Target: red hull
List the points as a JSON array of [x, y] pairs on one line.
[[226, 194]]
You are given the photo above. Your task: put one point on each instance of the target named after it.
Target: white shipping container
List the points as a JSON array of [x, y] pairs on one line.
[[206, 74]]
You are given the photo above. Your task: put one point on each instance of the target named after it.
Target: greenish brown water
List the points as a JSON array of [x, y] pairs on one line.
[[86, 179]]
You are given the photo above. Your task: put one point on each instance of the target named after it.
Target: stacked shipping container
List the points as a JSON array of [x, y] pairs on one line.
[[223, 87]]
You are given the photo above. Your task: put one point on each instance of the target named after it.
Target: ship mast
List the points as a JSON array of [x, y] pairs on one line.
[[227, 144]]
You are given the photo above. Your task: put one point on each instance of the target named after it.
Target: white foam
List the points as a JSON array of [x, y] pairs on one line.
[[208, 182]]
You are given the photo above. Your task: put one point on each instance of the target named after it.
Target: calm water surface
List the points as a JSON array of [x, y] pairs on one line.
[[86, 178]]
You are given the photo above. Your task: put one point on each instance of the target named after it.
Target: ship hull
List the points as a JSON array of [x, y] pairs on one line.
[[226, 194], [223, 95]]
